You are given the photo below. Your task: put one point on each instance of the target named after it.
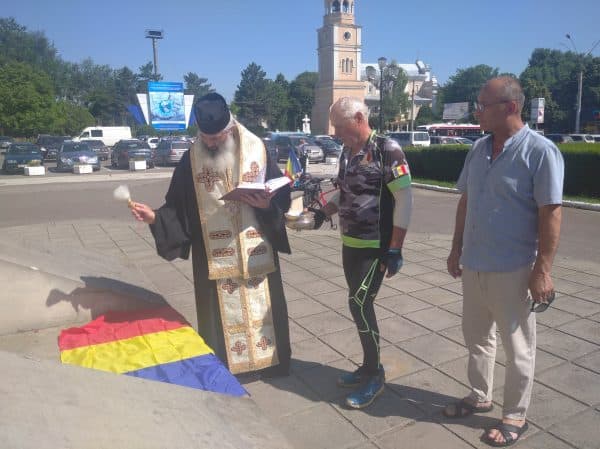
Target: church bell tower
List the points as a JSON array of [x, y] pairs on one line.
[[339, 62]]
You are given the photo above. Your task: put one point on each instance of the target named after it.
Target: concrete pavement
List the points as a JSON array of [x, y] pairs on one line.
[[419, 312]]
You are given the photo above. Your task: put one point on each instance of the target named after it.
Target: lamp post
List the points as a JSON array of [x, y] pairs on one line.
[[387, 73], [579, 79], [154, 35]]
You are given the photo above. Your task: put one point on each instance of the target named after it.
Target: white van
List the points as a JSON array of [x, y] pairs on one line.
[[107, 134], [411, 138]]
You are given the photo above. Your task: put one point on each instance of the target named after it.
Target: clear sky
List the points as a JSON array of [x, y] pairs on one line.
[[217, 39]]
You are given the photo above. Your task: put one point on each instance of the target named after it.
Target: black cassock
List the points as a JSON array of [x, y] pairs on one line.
[[177, 228]]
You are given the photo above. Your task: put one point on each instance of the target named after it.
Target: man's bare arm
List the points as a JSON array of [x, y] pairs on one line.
[[453, 262], [540, 282]]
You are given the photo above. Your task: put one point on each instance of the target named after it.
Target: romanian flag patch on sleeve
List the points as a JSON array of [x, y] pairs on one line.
[[400, 178], [155, 344]]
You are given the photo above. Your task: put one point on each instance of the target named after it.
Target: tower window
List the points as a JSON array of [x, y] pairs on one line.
[[345, 7], [335, 6]]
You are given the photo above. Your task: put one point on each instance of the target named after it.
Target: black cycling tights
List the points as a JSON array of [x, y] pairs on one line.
[[361, 268]]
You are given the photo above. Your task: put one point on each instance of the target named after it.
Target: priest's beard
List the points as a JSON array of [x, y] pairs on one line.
[[218, 158]]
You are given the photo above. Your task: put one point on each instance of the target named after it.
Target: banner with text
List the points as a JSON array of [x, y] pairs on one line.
[[167, 105]]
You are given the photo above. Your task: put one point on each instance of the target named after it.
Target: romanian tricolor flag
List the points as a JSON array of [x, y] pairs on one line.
[[293, 166], [156, 344]]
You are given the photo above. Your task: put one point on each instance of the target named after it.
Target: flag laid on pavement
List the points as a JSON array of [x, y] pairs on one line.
[[293, 166], [156, 344]]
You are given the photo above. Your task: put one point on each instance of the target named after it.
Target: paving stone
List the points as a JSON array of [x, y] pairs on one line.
[[281, 396], [397, 329], [304, 307], [580, 430], [548, 407], [397, 363], [595, 317], [346, 342], [421, 435], [543, 440], [322, 379], [415, 256], [454, 307], [576, 306], [564, 345], [300, 279], [325, 323], [589, 280], [292, 293], [318, 287], [413, 269], [335, 300], [457, 369], [434, 349], [298, 333], [402, 304], [592, 294], [319, 427], [455, 334], [435, 278], [328, 271], [574, 381], [455, 287], [387, 412], [411, 285], [590, 361], [435, 264], [436, 296], [554, 317], [313, 351], [585, 329], [435, 319], [568, 287], [430, 389], [311, 263]]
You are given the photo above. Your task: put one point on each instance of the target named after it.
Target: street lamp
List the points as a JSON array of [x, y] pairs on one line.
[[580, 79], [154, 35], [387, 73]]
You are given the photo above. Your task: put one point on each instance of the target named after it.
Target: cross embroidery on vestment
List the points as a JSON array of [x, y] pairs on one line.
[[208, 178], [263, 343], [239, 347]]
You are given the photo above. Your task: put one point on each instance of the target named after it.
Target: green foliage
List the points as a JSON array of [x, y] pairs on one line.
[[251, 98], [440, 162], [395, 99], [197, 86], [425, 116], [582, 165], [301, 98], [466, 83]]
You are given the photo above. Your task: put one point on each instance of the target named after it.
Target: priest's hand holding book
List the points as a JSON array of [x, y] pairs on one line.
[[256, 194]]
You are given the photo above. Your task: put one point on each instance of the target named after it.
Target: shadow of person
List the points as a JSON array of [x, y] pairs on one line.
[[318, 383], [101, 294]]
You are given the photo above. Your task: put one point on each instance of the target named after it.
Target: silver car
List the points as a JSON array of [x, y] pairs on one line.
[[170, 151]]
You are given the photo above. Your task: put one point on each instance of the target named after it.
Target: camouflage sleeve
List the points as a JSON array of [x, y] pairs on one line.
[[396, 171]]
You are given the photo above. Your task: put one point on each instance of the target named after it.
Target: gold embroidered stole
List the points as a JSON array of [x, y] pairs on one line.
[[239, 258]]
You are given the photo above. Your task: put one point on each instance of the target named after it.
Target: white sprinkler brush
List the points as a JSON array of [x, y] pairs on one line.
[[121, 193]]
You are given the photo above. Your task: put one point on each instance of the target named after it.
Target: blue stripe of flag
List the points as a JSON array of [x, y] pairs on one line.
[[204, 372]]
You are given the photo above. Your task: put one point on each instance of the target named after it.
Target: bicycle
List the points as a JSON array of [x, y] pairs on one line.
[[313, 195]]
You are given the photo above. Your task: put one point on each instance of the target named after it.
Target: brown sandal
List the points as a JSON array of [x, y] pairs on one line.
[[462, 409]]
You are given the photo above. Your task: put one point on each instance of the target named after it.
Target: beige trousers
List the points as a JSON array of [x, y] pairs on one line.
[[499, 300]]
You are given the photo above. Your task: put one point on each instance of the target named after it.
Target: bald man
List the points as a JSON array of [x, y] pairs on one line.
[[505, 238]]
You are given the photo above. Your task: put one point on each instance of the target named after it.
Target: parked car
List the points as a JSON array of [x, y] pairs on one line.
[[443, 140], [587, 138], [286, 143], [411, 138], [75, 153], [330, 148], [99, 148], [49, 145], [127, 149], [559, 138], [153, 142], [171, 151], [19, 155], [474, 137], [596, 137], [5, 142]]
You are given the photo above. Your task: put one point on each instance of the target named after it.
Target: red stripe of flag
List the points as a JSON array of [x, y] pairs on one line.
[[120, 325]]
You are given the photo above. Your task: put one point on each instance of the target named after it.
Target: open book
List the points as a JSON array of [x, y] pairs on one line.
[[268, 188]]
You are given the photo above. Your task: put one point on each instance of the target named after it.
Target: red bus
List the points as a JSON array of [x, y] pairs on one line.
[[450, 129]]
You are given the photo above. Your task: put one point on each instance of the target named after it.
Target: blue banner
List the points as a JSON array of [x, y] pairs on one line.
[[166, 105]]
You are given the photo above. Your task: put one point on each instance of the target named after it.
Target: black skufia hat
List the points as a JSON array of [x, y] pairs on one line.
[[212, 113]]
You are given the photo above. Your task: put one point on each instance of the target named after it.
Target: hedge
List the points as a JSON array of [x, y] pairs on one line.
[[445, 162]]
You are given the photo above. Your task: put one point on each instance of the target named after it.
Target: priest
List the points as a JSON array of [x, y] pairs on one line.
[[240, 303]]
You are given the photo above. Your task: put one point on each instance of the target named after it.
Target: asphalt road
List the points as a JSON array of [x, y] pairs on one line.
[[59, 201]]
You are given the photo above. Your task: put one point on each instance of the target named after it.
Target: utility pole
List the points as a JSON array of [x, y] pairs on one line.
[[154, 35], [581, 57]]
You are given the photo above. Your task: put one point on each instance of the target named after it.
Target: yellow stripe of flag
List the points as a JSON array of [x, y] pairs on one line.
[[140, 352]]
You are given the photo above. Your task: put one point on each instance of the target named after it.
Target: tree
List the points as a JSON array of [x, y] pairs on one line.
[[278, 103], [302, 98], [395, 99], [425, 116], [464, 86], [251, 97], [196, 86], [553, 74]]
